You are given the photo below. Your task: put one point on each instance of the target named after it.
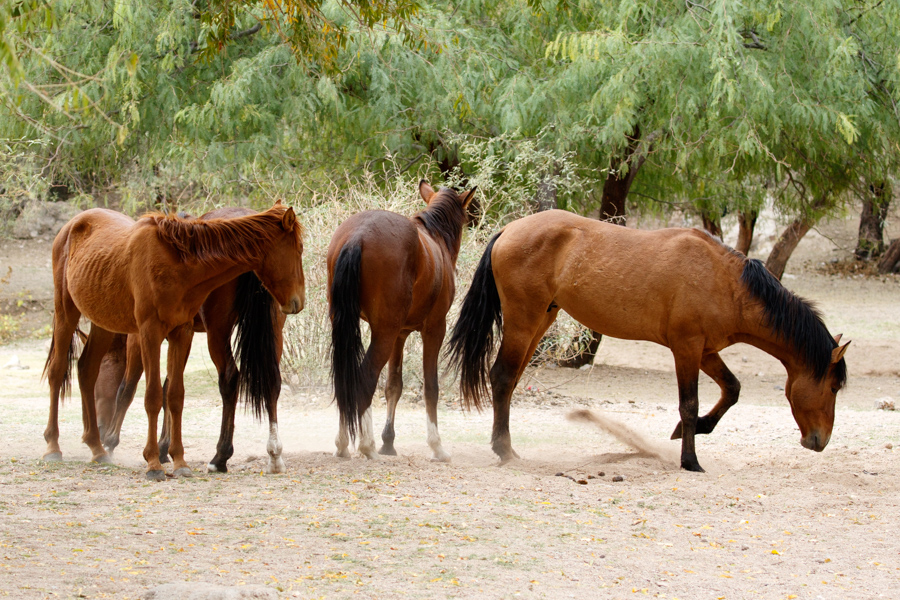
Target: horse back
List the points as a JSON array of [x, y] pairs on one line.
[[626, 283]]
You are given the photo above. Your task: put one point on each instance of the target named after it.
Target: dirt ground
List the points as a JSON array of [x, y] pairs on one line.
[[769, 519]]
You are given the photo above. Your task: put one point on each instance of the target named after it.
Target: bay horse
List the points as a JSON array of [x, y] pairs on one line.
[[398, 274], [150, 278], [680, 288], [242, 306]]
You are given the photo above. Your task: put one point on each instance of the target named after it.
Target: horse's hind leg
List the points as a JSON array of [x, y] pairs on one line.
[[392, 391], [125, 394], [432, 338], [179, 349], [58, 367], [377, 355], [219, 344], [98, 342], [274, 445], [520, 340], [112, 373], [713, 366]]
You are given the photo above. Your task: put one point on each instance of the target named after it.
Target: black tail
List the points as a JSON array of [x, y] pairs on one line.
[[259, 373], [472, 340], [346, 340], [66, 389]]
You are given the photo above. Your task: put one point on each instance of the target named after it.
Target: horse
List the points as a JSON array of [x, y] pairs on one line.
[[150, 278], [398, 274], [680, 288], [241, 305]]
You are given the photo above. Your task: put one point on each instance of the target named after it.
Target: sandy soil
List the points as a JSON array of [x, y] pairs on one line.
[[768, 519]]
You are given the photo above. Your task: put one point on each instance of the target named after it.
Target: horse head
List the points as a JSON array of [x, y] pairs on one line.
[[282, 266], [812, 399]]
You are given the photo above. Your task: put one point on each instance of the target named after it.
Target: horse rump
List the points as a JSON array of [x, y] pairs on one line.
[[347, 350], [472, 340]]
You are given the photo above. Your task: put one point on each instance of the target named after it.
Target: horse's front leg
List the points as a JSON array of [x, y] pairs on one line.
[[432, 338], [179, 349], [151, 337], [687, 370], [713, 366], [393, 389]]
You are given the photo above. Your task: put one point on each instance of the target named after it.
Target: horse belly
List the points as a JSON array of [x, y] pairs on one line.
[[626, 315], [101, 293]]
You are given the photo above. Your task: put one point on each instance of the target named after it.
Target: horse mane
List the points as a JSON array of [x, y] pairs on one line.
[[793, 320], [244, 238], [444, 217]]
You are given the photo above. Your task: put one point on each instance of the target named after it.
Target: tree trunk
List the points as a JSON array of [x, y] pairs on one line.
[[870, 243], [890, 260], [711, 223], [791, 236], [546, 195], [612, 209], [746, 223]]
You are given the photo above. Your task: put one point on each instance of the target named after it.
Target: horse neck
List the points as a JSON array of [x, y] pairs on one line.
[[755, 332]]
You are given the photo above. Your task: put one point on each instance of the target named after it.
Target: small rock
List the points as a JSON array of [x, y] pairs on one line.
[[743, 359], [745, 548], [591, 477], [631, 402], [560, 474], [886, 403], [586, 367], [779, 388], [206, 591], [618, 478], [581, 481], [15, 364], [889, 446], [601, 474]]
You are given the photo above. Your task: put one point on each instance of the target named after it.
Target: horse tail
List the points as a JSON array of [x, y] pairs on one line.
[[254, 343], [65, 389], [346, 339], [472, 341]]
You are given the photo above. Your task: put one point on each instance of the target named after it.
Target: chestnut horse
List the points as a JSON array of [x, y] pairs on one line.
[[398, 274], [242, 306], [677, 287], [150, 278]]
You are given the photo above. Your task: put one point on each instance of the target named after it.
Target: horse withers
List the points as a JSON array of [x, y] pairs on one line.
[[677, 287], [398, 274], [150, 278]]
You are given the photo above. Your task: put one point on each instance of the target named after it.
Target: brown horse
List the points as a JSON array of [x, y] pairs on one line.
[[150, 278], [398, 274], [242, 306], [677, 287]]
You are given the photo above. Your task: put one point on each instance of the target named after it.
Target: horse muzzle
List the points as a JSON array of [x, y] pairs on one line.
[[294, 306], [815, 441]]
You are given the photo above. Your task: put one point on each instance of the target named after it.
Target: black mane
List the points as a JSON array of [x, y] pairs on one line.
[[794, 320], [444, 218]]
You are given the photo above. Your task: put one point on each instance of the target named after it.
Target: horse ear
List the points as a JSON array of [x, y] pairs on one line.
[[468, 197], [426, 191], [838, 353], [837, 338], [278, 202], [289, 220]]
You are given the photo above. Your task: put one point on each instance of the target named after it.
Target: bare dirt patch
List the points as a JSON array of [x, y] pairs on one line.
[[768, 519]]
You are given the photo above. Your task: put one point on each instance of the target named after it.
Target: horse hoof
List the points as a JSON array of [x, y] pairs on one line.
[[387, 450], [693, 466], [342, 454], [371, 454], [52, 457], [156, 475], [183, 472], [676, 435], [275, 467], [443, 457], [102, 459], [212, 468]]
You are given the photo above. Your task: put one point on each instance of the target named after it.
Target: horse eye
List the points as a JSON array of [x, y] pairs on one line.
[[834, 390]]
